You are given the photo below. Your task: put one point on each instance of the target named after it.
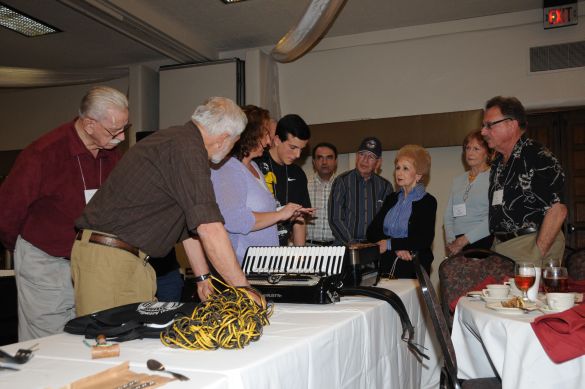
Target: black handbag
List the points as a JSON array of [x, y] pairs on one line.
[[131, 321]]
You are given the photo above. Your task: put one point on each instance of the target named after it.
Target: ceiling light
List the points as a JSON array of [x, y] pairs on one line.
[[231, 1], [23, 24]]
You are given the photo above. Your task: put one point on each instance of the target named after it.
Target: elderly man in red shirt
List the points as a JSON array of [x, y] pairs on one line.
[[46, 190]]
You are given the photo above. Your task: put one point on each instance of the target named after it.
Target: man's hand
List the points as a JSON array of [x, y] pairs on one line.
[[204, 289], [551, 225]]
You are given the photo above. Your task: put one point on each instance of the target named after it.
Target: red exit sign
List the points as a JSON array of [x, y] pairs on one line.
[[560, 16]]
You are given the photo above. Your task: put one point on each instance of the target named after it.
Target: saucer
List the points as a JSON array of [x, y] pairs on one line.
[[497, 306], [495, 299], [508, 311], [547, 309]]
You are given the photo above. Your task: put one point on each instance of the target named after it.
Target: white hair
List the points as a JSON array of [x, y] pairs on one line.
[[98, 99], [220, 115]]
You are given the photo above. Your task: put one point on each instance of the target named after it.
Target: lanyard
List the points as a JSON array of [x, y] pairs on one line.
[[83, 177]]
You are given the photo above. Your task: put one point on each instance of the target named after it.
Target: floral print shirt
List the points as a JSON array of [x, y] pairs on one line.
[[532, 181]]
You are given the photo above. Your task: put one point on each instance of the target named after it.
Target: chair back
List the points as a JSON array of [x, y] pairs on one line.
[[439, 323], [461, 273], [575, 264]]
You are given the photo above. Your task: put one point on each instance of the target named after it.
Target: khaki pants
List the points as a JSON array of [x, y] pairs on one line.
[[524, 248], [106, 277]]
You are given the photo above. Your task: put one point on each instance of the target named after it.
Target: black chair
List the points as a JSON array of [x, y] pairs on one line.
[[460, 273], [575, 264], [449, 378]]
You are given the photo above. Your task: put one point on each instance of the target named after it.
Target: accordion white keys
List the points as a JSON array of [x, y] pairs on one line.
[[308, 274]]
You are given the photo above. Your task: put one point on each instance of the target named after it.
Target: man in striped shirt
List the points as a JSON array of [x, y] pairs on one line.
[[325, 164], [357, 195]]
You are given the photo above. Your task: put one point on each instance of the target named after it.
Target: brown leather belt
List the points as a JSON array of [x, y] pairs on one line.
[[106, 240], [505, 236]]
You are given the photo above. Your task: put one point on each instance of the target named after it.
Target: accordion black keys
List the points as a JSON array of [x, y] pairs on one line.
[[299, 274]]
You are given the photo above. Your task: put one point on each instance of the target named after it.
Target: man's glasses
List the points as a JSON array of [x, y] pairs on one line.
[[115, 132], [489, 125]]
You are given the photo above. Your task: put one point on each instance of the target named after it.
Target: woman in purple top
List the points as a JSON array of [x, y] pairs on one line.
[[247, 206]]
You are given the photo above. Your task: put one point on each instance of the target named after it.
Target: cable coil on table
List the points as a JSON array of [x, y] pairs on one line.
[[228, 319]]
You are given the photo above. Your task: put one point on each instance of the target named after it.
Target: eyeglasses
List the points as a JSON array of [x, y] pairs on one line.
[[115, 132], [489, 125]]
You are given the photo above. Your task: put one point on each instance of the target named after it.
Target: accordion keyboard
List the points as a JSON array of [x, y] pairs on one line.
[[290, 262]]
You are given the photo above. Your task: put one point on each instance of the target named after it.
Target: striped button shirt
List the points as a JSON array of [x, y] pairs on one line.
[[318, 228], [353, 204]]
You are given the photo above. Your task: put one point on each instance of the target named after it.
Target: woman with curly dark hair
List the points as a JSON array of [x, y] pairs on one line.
[[248, 207]]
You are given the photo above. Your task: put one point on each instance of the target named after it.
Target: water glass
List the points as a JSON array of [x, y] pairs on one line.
[[555, 279]]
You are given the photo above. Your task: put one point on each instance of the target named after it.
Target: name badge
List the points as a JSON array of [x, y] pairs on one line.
[[498, 197], [89, 194], [459, 210]]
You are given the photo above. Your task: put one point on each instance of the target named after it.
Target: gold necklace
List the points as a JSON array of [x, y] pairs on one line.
[[471, 177]]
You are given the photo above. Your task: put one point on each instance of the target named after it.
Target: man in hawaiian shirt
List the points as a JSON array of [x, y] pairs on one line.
[[526, 181]]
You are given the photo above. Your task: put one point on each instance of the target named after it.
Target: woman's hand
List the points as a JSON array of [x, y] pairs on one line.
[[457, 245], [289, 211], [404, 255], [296, 212], [302, 213], [383, 246]]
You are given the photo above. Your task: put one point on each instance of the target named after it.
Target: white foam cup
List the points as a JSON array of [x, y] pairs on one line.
[[496, 291], [560, 301]]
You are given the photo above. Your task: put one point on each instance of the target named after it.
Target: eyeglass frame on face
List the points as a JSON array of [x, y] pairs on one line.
[[490, 125], [119, 131]]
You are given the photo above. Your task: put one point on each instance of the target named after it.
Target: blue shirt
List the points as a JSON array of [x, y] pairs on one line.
[[475, 224], [238, 195]]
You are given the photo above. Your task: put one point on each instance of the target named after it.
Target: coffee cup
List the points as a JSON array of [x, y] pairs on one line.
[[514, 291], [560, 301], [496, 291]]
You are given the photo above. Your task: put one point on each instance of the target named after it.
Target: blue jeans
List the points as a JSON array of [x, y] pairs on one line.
[[169, 287]]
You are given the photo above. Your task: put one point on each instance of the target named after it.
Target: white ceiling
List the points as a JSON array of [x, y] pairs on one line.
[[200, 29]]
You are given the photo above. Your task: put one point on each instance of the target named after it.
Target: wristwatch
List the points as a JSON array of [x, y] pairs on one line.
[[202, 277]]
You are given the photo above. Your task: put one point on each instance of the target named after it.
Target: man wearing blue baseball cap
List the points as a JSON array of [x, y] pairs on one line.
[[356, 195]]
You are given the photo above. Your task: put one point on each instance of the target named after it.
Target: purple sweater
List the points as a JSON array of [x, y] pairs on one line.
[[238, 194]]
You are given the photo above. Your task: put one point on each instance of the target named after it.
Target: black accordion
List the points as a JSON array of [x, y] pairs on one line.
[[313, 275]]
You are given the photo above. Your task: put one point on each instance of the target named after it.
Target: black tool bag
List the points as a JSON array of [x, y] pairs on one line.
[[131, 321]]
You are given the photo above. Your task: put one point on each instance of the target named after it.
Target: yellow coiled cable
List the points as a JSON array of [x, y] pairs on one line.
[[229, 319]]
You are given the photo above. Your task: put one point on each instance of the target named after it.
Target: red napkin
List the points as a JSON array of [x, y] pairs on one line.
[[486, 281], [562, 335]]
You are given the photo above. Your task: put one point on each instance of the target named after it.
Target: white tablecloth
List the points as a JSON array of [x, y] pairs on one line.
[[351, 344], [514, 352]]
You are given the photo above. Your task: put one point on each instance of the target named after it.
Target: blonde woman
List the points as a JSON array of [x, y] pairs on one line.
[[406, 221]]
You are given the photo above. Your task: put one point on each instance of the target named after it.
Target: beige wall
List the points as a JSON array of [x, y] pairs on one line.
[[28, 113], [428, 69]]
